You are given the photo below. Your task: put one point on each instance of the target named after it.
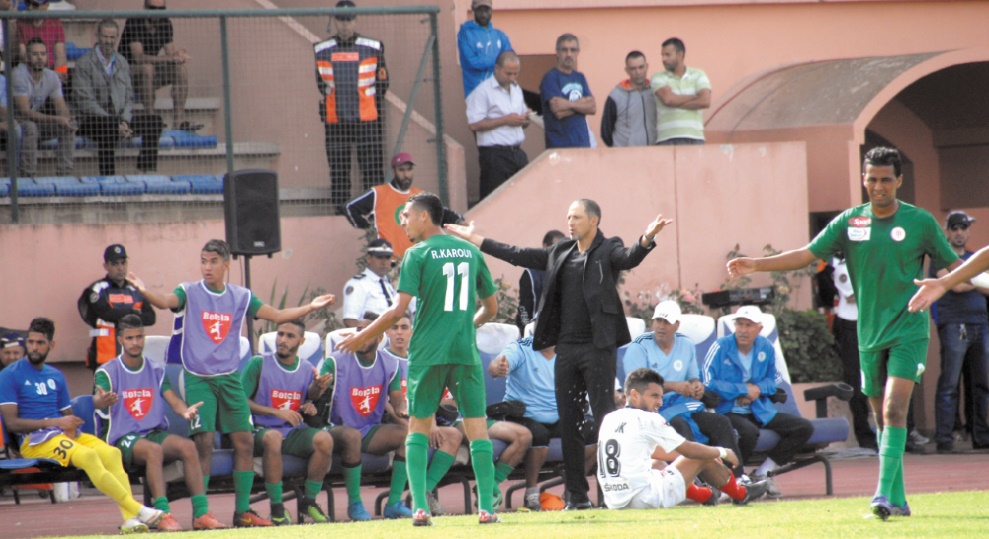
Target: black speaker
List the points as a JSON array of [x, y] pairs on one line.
[[250, 211]]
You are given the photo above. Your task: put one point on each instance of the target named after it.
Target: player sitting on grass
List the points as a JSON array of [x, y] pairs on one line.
[[279, 388], [134, 392], [635, 442], [34, 401]]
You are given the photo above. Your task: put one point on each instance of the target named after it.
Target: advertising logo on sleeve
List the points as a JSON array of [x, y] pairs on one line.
[[365, 399], [859, 228], [138, 402], [286, 400], [217, 325]]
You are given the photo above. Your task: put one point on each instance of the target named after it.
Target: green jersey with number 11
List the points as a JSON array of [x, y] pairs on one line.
[[445, 274]]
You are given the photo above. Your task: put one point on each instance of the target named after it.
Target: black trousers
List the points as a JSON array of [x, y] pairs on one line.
[[847, 338], [498, 163], [794, 432], [717, 427], [367, 138], [105, 131], [582, 371]]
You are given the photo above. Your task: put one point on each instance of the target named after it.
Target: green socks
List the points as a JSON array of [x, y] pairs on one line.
[[893, 441], [481, 456], [274, 491], [243, 481], [352, 480], [199, 505], [501, 472], [313, 488], [437, 468], [417, 453], [399, 477], [161, 504]]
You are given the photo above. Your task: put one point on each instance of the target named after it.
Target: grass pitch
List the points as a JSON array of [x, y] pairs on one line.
[[948, 515]]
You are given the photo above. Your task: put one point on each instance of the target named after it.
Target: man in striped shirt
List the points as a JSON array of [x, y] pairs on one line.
[[681, 93]]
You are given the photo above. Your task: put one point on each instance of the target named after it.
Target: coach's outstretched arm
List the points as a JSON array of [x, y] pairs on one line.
[[932, 289], [466, 232], [790, 260]]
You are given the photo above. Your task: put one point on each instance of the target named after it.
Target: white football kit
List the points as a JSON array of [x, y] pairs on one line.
[[626, 441]]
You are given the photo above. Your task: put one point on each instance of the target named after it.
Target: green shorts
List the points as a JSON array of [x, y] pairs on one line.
[[224, 403], [127, 442], [426, 385], [298, 443], [905, 360]]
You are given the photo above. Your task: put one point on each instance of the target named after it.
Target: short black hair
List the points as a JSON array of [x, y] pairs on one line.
[[882, 156], [634, 54], [591, 208], [43, 325], [36, 41], [552, 237], [639, 379], [430, 203], [129, 321], [677, 44], [219, 247], [369, 315], [297, 322]]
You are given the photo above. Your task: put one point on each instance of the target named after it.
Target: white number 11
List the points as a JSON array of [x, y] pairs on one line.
[[463, 269]]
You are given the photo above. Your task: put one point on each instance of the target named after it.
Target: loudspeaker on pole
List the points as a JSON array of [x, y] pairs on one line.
[[250, 212]]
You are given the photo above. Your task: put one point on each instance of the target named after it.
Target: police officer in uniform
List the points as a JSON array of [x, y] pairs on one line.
[[108, 300], [370, 290], [352, 77]]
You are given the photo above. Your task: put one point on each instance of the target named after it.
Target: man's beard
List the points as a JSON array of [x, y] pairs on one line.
[[30, 357]]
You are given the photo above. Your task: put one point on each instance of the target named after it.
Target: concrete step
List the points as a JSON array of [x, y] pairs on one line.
[[170, 162]]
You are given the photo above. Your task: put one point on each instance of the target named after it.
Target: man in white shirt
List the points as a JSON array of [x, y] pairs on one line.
[[497, 114], [370, 290], [635, 441]]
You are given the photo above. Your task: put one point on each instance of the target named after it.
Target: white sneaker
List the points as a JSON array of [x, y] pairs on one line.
[[916, 438], [150, 516], [133, 525]]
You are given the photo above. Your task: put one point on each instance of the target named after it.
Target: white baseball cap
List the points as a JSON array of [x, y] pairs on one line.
[[749, 312], [667, 310]]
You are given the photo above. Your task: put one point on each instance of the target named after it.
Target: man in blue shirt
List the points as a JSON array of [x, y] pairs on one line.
[[566, 99], [741, 369], [479, 44], [960, 316]]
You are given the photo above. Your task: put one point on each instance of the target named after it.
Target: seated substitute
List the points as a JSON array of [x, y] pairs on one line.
[[11, 349], [34, 401], [741, 369], [444, 439], [133, 392], [635, 440], [360, 381], [279, 388], [532, 381], [674, 357]]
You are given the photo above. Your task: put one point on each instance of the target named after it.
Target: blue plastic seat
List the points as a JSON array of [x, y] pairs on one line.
[[161, 185], [27, 187], [202, 184], [72, 52], [188, 139], [82, 407], [70, 186]]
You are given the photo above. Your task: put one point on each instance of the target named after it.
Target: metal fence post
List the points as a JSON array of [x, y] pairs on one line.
[[13, 140], [441, 168], [228, 135]]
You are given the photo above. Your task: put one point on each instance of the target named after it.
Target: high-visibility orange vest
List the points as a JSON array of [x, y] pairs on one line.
[[350, 72], [388, 205]]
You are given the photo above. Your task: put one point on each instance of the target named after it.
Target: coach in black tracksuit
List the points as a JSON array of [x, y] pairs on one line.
[[580, 313]]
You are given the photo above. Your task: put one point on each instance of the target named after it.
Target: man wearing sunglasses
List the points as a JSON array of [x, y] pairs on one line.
[[961, 318]]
